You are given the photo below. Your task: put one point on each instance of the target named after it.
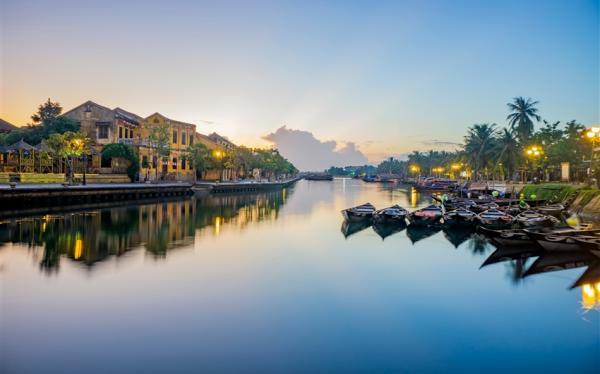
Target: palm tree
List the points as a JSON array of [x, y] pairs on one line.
[[479, 145], [520, 119], [508, 150]]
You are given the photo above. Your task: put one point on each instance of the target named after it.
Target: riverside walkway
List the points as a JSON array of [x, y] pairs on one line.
[[24, 195]]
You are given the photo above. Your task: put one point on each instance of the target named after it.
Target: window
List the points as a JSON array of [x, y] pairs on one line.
[[174, 163], [154, 162], [183, 137], [145, 161], [183, 163], [174, 136], [102, 129], [192, 139], [131, 133]]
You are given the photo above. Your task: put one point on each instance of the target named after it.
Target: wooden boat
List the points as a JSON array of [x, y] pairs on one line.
[[428, 215], [522, 237], [460, 216], [508, 237], [419, 232], [392, 214], [529, 218], [564, 241], [385, 229], [359, 213], [351, 228], [589, 243], [539, 234], [554, 210], [482, 207], [494, 218]]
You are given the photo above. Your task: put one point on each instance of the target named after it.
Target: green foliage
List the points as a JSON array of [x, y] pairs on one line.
[[392, 166], [68, 144], [200, 157], [34, 134], [352, 170], [46, 111], [160, 139], [124, 151], [554, 192], [520, 119]]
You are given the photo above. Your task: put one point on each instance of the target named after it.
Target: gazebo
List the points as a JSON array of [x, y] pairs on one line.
[[21, 156]]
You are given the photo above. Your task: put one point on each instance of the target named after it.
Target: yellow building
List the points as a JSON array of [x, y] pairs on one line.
[[177, 165]]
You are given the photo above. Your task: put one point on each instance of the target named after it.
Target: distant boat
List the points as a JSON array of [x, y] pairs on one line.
[[319, 177], [359, 213]]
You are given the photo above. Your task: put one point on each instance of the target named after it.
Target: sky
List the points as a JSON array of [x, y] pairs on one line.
[[380, 78]]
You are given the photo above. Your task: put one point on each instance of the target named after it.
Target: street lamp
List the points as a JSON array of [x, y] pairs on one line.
[[218, 154], [534, 152], [593, 134]]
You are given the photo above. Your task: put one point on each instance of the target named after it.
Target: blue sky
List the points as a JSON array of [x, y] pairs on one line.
[[390, 76]]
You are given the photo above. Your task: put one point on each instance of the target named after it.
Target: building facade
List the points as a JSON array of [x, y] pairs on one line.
[[107, 126], [177, 165]]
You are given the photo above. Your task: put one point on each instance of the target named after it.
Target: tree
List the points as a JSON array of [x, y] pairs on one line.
[[508, 151], [479, 145], [123, 151], [68, 145], [46, 111], [160, 142], [200, 157], [520, 119]]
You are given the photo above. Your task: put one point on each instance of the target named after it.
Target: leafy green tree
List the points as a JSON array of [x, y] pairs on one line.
[[480, 146], [68, 145], [522, 111], [46, 111], [123, 151], [160, 142], [508, 151], [201, 158]]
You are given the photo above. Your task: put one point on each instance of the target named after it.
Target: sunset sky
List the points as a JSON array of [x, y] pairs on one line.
[[389, 77]]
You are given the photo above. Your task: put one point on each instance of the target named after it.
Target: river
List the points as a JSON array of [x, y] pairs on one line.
[[270, 283]]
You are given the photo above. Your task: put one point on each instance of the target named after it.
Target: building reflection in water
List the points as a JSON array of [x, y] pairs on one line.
[[91, 236]]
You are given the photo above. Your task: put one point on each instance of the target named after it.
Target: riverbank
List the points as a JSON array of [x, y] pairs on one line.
[[35, 195], [581, 200]]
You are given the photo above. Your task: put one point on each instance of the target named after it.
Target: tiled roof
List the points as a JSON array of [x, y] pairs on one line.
[[6, 126]]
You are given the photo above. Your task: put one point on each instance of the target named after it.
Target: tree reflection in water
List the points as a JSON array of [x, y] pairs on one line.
[[91, 236]]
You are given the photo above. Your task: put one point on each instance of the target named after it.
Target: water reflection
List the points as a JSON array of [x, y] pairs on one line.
[[92, 236]]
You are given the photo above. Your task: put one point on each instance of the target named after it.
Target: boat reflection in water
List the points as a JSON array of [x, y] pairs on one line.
[[458, 234], [552, 261], [420, 232], [386, 229], [351, 228], [93, 235]]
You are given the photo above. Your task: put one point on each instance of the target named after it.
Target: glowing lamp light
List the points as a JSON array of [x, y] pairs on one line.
[[455, 166]]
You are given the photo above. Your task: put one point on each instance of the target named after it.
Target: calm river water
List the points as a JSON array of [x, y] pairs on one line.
[[270, 283]]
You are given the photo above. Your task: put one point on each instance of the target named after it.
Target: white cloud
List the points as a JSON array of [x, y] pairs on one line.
[[308, 153]]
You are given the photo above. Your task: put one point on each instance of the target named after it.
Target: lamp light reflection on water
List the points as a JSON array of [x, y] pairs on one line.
[[590, 296]]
